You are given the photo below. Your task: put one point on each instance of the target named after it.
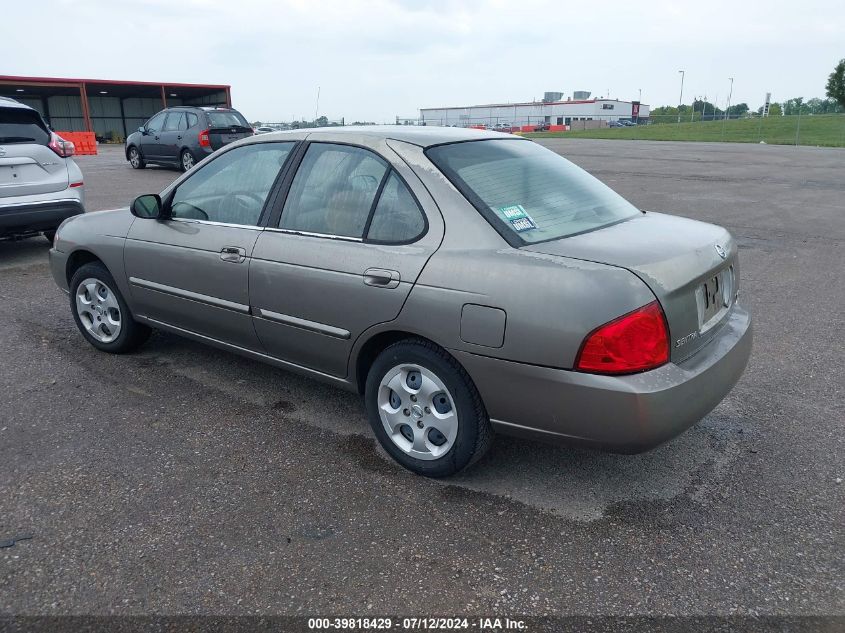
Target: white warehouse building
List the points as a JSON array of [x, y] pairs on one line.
[[552, 113]]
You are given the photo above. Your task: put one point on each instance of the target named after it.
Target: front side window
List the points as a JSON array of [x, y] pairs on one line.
[[156, 123], [233, 187], [333, 191], [529, 193]]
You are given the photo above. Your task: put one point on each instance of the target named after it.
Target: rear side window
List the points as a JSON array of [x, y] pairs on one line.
[[192, 119], [226, 118], [397, 218], [174, 120], [333, 191], [529, 193], [21, 125]]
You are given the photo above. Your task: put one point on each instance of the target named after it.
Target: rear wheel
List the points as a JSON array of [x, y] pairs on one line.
[[135, 158], [187, 160], [425, 410], [100, 312]]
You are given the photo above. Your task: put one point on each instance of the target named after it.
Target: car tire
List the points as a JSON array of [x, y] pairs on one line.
[[186, 160], [50, 235], [101, 313], [135, 159], [413, 423]]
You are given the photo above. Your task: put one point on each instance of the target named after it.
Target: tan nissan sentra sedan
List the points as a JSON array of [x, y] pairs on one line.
[[464, 282]]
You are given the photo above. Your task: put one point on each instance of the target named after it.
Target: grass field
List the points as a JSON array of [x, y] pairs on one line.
[[826, 130]]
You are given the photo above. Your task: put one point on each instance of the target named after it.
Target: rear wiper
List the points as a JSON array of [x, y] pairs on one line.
[[15, 139]]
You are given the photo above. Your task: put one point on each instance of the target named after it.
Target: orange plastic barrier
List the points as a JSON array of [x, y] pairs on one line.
[[527, 128], [557, 128], [83, 142], [478, 127]]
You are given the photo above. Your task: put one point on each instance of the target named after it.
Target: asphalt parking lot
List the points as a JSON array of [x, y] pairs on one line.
[[183, 479]]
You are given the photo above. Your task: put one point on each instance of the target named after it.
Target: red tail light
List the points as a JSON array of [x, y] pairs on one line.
[[634, 342], [205, 141], [59, 145]]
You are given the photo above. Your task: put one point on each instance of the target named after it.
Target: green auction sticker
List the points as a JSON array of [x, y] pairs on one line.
[[518, 217], [513, 212]]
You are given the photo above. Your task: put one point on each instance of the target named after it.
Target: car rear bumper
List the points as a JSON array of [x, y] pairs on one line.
[[626, 414], [31, 217]]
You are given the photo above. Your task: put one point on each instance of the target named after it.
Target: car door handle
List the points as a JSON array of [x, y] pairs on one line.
[[381, 278], [232, 254], [156, 138], [179, 138]]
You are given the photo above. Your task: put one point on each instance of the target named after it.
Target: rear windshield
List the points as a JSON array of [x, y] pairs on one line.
[[226, 118], [20, 125], [529, 193]]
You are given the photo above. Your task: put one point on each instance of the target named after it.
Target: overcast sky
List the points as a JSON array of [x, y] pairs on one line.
[[375, 59]]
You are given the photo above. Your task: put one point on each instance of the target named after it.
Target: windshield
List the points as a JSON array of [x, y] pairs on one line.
[[529, 193], [226, 118], [19, 125]]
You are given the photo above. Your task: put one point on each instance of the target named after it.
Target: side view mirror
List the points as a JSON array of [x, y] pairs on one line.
[[147, 206], [142, 130]]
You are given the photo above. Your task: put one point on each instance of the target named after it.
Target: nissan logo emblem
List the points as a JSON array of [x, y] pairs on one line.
[[721, 251]]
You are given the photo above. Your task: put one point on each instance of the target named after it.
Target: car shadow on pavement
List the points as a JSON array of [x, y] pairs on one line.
[[576, 483], [18, 253]]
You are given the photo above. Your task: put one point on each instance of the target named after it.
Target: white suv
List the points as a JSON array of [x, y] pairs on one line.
[[40, 185]]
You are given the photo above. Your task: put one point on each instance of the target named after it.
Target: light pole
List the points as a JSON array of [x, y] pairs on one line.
[[692, 110], [640, 98], [730, 93], [681, 98]]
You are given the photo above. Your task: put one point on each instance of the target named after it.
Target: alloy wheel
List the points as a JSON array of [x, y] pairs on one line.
[[187, 160]]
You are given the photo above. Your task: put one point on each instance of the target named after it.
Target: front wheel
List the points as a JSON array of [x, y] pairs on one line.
[[425, 410], [135, 158], [187, 160], [100, 312]]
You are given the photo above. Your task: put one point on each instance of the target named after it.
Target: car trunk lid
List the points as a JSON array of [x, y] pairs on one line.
[[29, 168], [27, 165], [218, 137], [226, 126], [690, 266]]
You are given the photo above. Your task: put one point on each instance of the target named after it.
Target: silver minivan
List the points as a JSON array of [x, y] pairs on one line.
[[40, 184]]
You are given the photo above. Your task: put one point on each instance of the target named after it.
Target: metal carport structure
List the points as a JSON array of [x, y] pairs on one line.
[[109, 108]]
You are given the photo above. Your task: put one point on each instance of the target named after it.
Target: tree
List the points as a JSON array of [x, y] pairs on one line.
[[665, 110], [836, 83], [775, 109], [738, 110], [793, 106]]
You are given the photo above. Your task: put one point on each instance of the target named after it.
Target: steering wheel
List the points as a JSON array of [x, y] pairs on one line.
[[193, 212], [232, 198]]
